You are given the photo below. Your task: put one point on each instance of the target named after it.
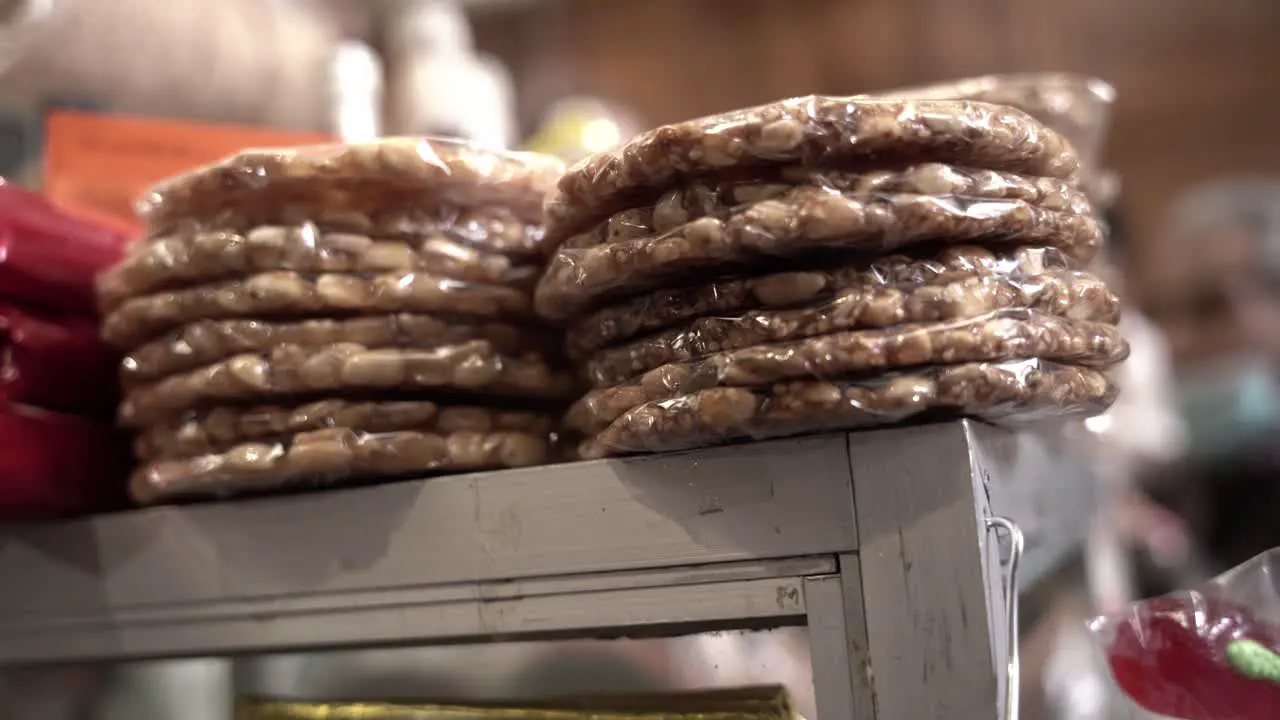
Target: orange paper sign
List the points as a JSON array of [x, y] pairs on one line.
[[98, 165]]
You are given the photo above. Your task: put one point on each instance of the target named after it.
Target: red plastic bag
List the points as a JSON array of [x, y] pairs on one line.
[[57, 465], [1206, 654], [56, 363], [50, 258]]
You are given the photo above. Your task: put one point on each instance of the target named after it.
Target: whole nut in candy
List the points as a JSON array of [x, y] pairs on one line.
[[373, 369]]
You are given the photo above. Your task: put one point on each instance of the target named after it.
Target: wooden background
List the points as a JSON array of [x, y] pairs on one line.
[[1198, 82]]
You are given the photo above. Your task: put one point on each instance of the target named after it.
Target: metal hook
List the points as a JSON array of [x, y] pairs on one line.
[[1013, 671]]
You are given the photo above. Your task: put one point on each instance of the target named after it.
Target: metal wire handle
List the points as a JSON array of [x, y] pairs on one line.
[[1014, 670]]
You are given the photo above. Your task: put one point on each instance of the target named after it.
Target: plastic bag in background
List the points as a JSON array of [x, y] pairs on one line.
[[1206, 654], [57, 363], [50, 258], [56, 465]]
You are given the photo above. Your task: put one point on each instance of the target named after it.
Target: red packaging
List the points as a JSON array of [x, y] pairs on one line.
[[55, 363], [56, 465], [1206, 654], [50, 258]]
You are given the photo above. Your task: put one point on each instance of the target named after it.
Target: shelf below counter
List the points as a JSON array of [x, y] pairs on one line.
[[753, 535]]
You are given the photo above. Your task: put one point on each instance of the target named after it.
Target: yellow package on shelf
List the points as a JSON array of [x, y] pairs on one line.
[[756, 703]]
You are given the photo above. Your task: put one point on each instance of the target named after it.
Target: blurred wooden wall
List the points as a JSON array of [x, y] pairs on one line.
[[1198, 82]]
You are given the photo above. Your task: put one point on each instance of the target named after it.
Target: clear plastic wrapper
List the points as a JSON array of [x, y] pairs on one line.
[[205, 342], [1074, 295], [56, 465], [219, 429], [1207, 654], [1002, 336], [814, 131], [701, 198], [405, 172], [491, 229], [669, 307], [48, 258], [804, 223], [332, 456], [207, 256], [1024, 391], [56, 363], [1077, 107], [470, 369], [284, 294]]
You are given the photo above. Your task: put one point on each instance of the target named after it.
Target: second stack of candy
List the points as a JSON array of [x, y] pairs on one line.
[[827, 263], [336, 313]]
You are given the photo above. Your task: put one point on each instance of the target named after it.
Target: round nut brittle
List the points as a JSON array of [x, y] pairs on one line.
[[805, 222], [472, 369], [387, 172], [1074, 295], [221, 428], [200, 257], [332, 456], [1015, 335], [813, 131], [1007, 392], [703, 198], [668, 307], [207, 341], [284, 294]]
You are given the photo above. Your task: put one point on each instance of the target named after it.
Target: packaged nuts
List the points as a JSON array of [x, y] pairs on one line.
[[200, 257], [1069, 294], [702, 198], [219, 429], [811, 131], [325, 456], [671, 306], [1012, 335], [804, 222], [391, 172], [472, 369], [285, 294], [208, 341], [1025, 390], [336, 314]]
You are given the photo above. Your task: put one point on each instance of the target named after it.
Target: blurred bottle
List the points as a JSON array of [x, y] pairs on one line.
[[357, 91], [440, 85]]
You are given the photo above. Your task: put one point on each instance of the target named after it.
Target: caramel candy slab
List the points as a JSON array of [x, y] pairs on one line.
[[804, 222], [1010, 335], [332, 457], [284, 294], [1074, 295], [814, 131], [219, 429], [473, 369], [1024, 391]]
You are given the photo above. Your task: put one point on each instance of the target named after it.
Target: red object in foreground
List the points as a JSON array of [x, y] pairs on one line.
[[50, 258], [56, 465], [55, 363], [1169, 655]]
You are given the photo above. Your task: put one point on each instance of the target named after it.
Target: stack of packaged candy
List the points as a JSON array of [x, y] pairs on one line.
[[61, 454], [827, 263], [1206, 654], [336, 314]]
